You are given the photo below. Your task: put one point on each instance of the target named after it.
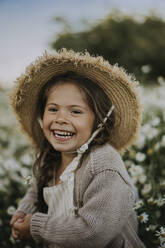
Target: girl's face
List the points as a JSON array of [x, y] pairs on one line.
[[68, 120]]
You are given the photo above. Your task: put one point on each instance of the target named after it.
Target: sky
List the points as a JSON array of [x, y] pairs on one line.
[[27, 26]]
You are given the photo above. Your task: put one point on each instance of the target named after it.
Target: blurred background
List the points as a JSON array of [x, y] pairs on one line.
[[127, 32]]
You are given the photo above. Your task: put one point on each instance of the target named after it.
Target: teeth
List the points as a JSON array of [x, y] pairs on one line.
[[61, 133]]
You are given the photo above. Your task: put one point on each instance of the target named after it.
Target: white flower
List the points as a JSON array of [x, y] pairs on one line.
[[155, 122], [157, 146], [146, 189], [26, 159], [152, 133], [141, 141], [134, 180], [151, 228], [162, 242], [161, 232], [142, 178], [153, 102], [138, 204], [11, 164], [146, 128], [146, 68], [24, 172], [140, 156], [143, 217], [161, 80], [148, 131], [160, 201], [137, 174], [162, 143], [11, 210], [161, 235], [127, 163], [135, 170], [151, 201], [28, 180]]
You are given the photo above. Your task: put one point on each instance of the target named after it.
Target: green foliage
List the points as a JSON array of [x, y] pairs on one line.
[[136, 45]]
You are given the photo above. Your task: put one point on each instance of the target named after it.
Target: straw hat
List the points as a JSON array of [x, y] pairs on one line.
[[120, 88]]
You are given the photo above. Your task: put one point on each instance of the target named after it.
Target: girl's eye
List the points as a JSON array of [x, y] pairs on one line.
[[76, 111], [52, 109]]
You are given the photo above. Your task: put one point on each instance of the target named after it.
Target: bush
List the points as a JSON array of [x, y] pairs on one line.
[[136, 44]]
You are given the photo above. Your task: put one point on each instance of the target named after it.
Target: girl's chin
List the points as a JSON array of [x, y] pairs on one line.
[[63, 149]]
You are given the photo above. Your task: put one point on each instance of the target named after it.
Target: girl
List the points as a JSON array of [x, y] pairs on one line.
[[77, 110]]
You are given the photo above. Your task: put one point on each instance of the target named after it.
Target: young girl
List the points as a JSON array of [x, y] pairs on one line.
[[78, 111]]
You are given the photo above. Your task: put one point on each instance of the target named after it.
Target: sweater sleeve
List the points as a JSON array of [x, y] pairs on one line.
[[107, 203], [28, 202]]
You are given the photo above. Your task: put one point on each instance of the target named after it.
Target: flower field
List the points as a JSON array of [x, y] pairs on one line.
[[145, 162]]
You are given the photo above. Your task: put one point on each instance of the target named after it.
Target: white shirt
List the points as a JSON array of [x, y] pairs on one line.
[[59, 198]]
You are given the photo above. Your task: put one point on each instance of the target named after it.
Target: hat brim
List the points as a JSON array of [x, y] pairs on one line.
[[117, 84]]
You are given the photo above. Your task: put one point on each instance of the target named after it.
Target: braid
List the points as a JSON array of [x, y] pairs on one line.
[[43, 170]]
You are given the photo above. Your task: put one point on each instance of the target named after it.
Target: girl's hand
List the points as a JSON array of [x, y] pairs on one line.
[[19, 217], [16, 216], [15, 232], [22, 228]]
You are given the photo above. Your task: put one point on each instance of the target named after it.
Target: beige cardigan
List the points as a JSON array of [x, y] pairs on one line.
[[104, 197]]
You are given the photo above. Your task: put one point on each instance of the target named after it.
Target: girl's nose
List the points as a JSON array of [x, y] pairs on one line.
[[61, 117]]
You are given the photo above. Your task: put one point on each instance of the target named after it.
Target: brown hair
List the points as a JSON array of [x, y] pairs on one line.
[[98, 102]]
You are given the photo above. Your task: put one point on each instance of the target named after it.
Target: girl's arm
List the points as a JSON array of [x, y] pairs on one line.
[[107, 205], [28, 203], [26, 206]]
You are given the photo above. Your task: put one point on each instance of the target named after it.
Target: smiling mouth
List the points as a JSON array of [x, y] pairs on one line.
[[63, 135]]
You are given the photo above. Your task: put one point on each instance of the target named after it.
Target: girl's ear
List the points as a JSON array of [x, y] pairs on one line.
[[40, 122]]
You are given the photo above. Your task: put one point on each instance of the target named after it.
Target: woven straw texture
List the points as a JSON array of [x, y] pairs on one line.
[[121, 88]]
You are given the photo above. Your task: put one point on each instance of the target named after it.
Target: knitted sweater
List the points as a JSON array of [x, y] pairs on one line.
[[104, 197]]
